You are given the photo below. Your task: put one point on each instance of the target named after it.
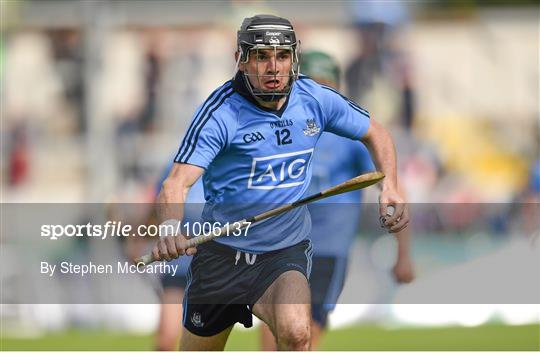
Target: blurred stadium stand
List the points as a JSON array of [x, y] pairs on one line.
[[96, 96]]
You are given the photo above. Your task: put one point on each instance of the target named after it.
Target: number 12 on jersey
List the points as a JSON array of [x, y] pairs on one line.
[[283, 137]]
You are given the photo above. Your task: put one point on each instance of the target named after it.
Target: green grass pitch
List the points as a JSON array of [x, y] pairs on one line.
[[364, 337]]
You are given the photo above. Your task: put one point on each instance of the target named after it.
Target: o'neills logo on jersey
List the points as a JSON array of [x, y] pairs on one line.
[[280, 170], [281, 123]]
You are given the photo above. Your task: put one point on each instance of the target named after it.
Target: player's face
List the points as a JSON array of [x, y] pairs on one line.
[[269, 69]]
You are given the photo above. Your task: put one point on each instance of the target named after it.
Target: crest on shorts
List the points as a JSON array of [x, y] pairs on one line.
[[311, 129], [196, 319]]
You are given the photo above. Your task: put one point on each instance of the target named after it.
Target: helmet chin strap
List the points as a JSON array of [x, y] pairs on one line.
[[271, 98]]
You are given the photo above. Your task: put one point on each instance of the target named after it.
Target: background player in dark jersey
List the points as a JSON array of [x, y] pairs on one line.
[[253, 140], [335, 220]]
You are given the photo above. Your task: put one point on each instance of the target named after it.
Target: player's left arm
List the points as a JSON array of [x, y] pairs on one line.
[[343, 117], [383, 152], [403, 269]]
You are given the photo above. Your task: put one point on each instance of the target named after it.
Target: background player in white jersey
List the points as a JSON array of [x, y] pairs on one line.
[[253, 140], [335, 220]]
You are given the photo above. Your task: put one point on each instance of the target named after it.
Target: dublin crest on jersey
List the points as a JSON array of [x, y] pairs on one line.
[[312, 129]]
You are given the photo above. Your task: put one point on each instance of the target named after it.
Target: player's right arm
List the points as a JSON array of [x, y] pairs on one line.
[[175, 188], [170, 209], [206, 136]]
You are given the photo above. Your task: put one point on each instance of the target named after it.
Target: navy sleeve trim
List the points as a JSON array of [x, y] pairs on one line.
[[351, 103], [194, 164], [208, 116], [187, 146]]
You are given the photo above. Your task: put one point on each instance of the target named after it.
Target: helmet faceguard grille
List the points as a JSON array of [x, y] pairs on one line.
[[264, 32]]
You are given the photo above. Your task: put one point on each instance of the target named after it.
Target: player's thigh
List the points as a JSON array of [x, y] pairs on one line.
[[285, 305], [267, 339], [192, 342]]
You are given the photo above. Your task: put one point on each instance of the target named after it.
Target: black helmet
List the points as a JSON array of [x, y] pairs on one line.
[[268, 32]]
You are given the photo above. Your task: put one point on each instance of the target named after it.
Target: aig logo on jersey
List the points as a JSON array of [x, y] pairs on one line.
[[280, 170]]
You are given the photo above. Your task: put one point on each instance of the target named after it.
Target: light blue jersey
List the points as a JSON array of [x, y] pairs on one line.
[[335, 220], [256, 159]]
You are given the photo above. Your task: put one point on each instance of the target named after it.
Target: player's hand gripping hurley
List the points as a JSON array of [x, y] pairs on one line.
[[355, 183]]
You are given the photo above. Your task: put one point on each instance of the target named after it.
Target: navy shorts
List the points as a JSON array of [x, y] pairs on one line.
[[326, 283], [170, 281], [224, 284]]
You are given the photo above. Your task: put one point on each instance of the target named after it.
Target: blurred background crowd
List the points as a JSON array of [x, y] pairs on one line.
[[96, 95]]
